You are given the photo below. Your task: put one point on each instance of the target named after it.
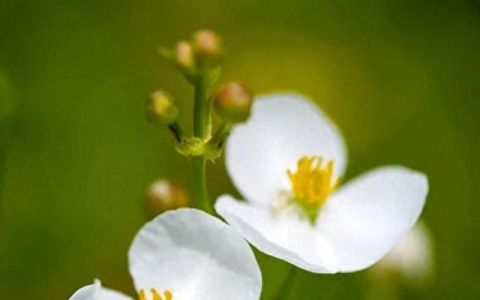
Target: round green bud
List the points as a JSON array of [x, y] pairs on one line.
[[163, 195], [207, 48], [233, 102], [161, 108]]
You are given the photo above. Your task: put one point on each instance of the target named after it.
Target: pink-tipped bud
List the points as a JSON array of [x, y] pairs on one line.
[[233, 102], [184, 55], [163, 195], [207, 48]]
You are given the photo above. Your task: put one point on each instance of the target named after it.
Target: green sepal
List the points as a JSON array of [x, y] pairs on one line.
[[191, 147]]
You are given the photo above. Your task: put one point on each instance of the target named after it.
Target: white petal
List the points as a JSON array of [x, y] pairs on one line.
[[95, 291], [195, 256], [282, 128], [368, 216], [285, 236], [85, 293], [108, 294]]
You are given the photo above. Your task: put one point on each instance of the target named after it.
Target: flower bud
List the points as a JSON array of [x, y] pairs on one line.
[[184, 55], [161, 108], [411, 259], [233, 102], [207, 48], [163, 195]]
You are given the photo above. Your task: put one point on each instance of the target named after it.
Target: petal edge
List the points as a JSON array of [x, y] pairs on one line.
[[368, 216]]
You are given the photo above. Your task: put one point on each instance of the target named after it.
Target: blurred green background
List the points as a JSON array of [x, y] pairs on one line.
[[400, 78]]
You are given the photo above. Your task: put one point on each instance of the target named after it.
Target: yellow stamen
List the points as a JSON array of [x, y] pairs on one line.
[[167, 295], [156, 295], [313, 181], [141, 295]]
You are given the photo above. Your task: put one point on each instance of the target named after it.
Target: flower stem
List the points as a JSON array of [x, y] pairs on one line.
[[200, 183], [201, 130], [287, 285], [201, 113]]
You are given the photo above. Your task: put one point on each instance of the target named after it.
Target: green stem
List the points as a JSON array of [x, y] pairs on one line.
[[201, 113], [287, 285], [201, 130], [200, 183]]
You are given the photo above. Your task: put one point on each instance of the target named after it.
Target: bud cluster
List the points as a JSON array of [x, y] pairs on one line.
[[202, 54], [199, 59]]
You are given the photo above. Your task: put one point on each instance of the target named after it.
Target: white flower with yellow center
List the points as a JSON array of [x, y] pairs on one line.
[[287, 161], [187, 255]]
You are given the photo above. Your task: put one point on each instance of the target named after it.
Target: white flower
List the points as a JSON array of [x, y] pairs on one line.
[[412, 257], [187, 255], [96, 292], [285, 161]]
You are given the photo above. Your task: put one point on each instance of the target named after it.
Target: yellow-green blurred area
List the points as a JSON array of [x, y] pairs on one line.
[[400, 78]]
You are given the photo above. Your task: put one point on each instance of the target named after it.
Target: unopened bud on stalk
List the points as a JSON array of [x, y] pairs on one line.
[[233, 102], [207, 48], [410, 260], [161, 108], [184, 55], [163, 195]]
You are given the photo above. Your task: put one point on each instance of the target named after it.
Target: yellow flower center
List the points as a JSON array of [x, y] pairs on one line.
[[312, 183], [166, 295]]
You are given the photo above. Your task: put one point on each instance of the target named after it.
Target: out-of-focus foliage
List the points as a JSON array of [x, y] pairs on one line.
[[400, 78]]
